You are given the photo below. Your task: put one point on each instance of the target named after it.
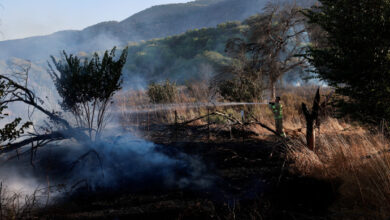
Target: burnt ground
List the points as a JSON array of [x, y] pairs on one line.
[[252, 181]]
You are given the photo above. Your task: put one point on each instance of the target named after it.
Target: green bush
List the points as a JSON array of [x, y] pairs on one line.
[[241, 90], [162, 93]]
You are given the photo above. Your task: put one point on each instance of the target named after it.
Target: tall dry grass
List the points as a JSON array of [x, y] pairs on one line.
[[355, 159], [19, 205], [135, 108], [129, 102]]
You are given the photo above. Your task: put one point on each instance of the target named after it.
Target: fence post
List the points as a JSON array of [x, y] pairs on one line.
[[148, 124], [242, 126], [230, 129], [208, 122], [176, 127]]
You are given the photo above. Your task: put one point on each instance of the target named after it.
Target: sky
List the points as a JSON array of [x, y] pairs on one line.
[[26, 18]]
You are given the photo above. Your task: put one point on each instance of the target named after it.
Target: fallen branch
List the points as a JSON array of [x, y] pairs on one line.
[[264, 126], [228, 117], [25, 95], [14, 146], [196, 119], [213, 113], [82, 157]]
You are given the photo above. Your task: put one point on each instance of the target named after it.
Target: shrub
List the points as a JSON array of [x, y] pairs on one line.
[[241, 89], [164, 92]]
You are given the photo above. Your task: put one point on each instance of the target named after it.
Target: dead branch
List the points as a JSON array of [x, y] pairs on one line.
[[264, 126], [231, 118], [20, 93], [210, 114], [193, 120], [14, 146], [25, 95], [82, 157]]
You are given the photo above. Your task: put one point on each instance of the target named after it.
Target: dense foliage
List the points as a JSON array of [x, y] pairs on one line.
[[355, 58]]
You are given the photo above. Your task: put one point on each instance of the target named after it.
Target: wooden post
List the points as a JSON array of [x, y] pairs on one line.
[[137, 122], [208, 122], [176, 127], [242, 126], [230, 129], [148, 128]]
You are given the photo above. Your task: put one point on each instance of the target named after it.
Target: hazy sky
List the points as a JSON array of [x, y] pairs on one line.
[[25, 18]]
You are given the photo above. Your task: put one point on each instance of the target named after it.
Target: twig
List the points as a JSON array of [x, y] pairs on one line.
[[84, 156]]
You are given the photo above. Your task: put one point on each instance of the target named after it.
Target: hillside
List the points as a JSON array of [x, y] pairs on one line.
[[155, 22], [184, 57]]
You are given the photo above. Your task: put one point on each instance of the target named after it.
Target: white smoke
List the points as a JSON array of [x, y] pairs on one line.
[[116, 162]]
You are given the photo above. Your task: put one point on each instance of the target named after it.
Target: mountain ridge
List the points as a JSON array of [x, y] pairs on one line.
[[155, 22]]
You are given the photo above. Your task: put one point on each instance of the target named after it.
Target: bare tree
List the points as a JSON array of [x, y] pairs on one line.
[[275, 42]]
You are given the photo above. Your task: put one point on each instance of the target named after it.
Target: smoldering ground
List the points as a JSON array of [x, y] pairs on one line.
[[120, 162]]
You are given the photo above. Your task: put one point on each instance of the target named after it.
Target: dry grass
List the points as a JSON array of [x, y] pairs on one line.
[[292, 97], [355, 158], [18, 205]]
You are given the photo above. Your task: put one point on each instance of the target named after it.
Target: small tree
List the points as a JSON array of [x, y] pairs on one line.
[[162, 93], [240, 80], [87, 88]]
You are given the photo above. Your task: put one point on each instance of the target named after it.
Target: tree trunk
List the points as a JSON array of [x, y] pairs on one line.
[[311, 117], [310, 134]]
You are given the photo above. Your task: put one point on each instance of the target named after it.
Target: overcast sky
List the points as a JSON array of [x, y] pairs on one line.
[[25, 18]]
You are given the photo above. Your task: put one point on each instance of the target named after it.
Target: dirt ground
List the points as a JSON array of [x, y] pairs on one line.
[[252, 181]]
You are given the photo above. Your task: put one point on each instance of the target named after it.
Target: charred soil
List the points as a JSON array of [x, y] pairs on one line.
[[251, 180]]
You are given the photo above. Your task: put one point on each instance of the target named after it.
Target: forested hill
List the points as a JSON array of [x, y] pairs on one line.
[[155, 22], [185, 57]]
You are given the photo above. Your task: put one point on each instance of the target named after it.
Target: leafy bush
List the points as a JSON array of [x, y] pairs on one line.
[[162, 93], [241, 90], [239, 81]]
